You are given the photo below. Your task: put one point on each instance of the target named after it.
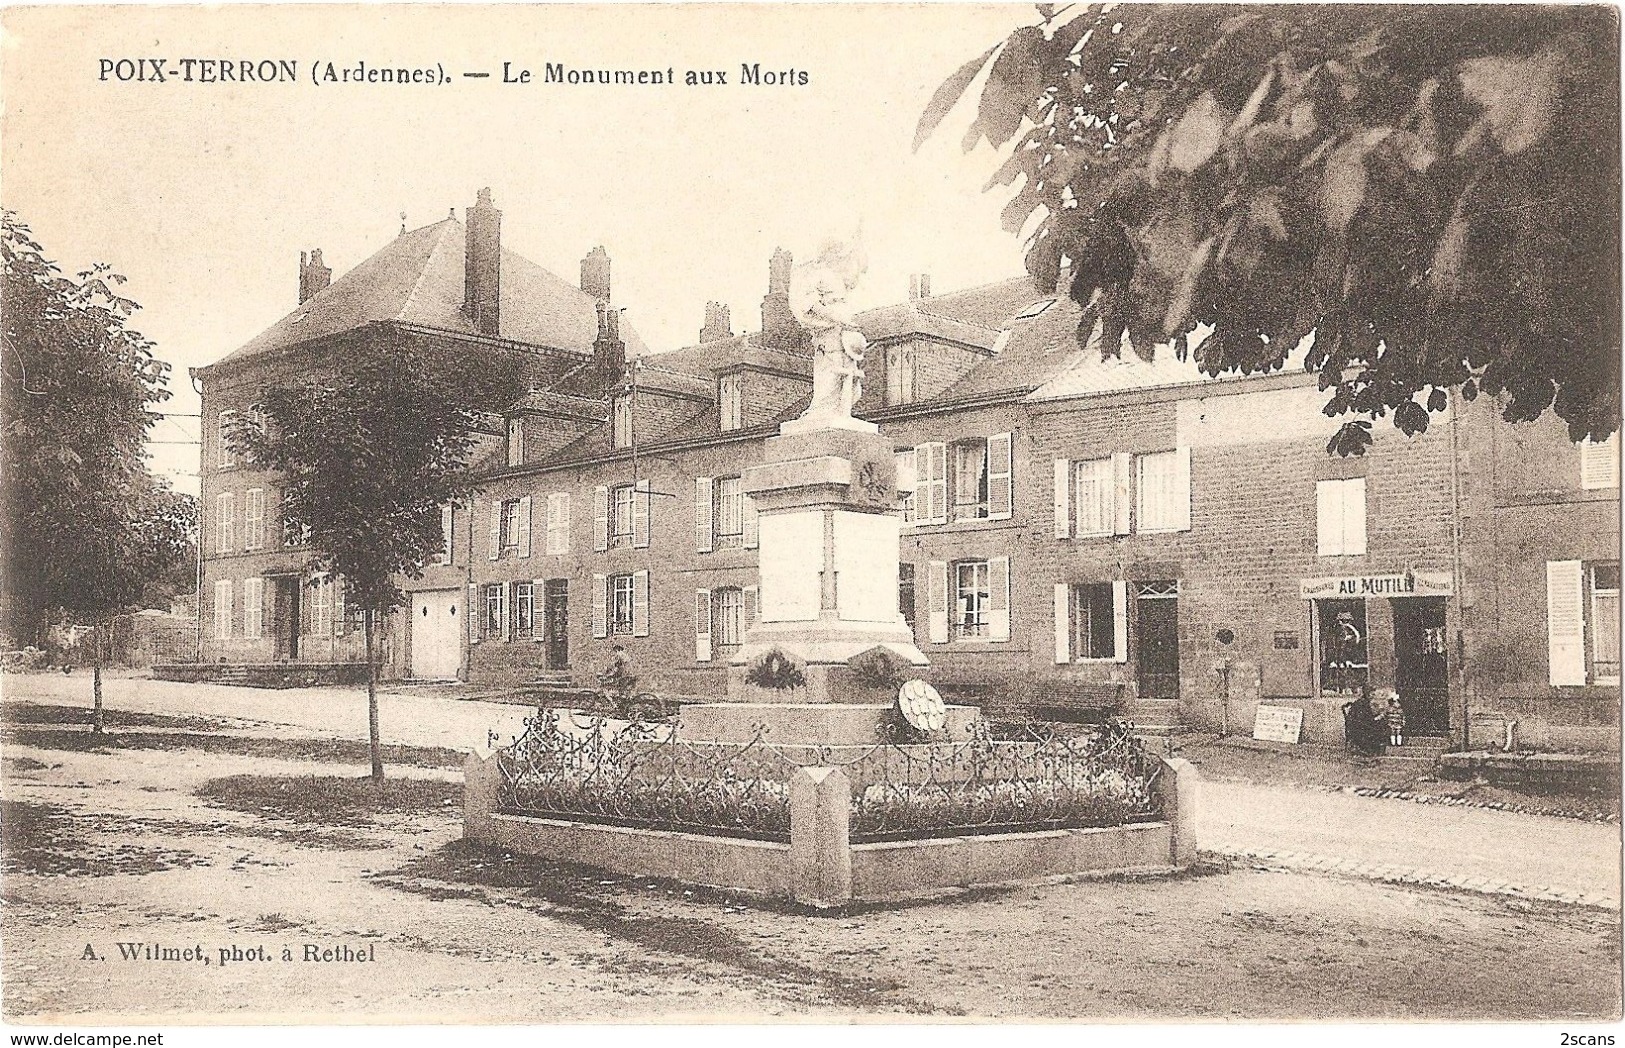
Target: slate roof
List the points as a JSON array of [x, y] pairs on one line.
[[417, 278]]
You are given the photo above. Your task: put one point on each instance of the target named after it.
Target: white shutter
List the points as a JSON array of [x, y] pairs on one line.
[[998, 589], [1599, 464], [252, 596], [752, 608], [704, 502], [337, 582], [1000, 488], [600, 518], [1063, 623], [472, 614], [222, 609], [227, 537], [447, 520], [1119, 621], [936, 600], [496, 528], [600, 606], [752, 525], [1122, 466], [1328, 518], [931, 485], [254, 519], [524, 526], [1063, 498], [702, 625], [640, 516], [1565, 622], [563, 545], [551, 543], [1181, 520], [640, 604], [502, 612]]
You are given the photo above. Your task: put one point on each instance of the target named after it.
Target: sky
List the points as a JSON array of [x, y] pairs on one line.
[[203, 194]]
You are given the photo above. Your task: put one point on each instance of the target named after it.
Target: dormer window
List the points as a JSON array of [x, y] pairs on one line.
[[730, 402], [621, 423], [516, 442], [900, 374]]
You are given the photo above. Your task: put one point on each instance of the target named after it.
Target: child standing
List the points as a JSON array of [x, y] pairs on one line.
[[1396, 720]]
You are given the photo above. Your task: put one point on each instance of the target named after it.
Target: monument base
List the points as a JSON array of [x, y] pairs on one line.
[[804, 723]]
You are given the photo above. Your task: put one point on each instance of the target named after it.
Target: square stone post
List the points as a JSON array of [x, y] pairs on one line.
[[480, 781], [1177, 790], [820, 838]]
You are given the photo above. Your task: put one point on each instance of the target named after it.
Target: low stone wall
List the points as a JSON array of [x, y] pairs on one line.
[[264, 674], [820, 866]]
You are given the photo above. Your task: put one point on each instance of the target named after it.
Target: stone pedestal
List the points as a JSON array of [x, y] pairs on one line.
[[826, 501]]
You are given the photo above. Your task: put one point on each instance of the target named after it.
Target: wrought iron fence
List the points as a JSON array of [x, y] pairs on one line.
[[1038, 778], [639, 774]]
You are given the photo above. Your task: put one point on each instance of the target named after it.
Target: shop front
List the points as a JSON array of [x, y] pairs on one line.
[[1381, 631]]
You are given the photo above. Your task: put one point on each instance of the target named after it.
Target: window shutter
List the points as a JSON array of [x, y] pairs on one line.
[[558, 523], [337, 582], [752, 524], [446, 522], [931, 484], [752, 608], [1182, 489], [1121, 468], [936, 600], [222, 609], [1565, 622], [600, 518], [496, 528], [1599, 464], [1063, 498], [600, 605], [1328, 519], [226, 540], [1119, 621], [640, 515], [702, 625], [703, 506], [254, 608], [640, 604], [1063, 623], [472, 614], [524, 526], [1354, 516], [502, 612], [998, 589], [1000, 489]]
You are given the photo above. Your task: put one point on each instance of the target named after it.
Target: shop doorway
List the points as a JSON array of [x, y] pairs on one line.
[[285, 617], [1156, 636], [1422, 664], [556, 623]]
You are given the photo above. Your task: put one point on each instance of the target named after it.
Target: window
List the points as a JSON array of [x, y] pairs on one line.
[[493, 610], [1340, 517], [907, 482], [730, 402], [1095, 619], [321, 605], [254, 519], [524, 610], [516, 442], [558, 522], [1163, 485], [1095, 497], [966, 480], [971, 599], [621, 426], [222, 609], [905, 592], [1605, 623], [622, 602], [730, 615], [227, 535], [623, 505], [730, 513], [970, 480], [1345, 665], [900, 374], [1599, 464], [228, 456], [509, 539]]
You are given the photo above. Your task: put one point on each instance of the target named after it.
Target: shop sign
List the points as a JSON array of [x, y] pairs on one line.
[[1278, 724], [1408, 584]]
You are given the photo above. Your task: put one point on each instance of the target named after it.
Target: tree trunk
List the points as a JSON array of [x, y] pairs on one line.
[[96, 683], [372, 703]]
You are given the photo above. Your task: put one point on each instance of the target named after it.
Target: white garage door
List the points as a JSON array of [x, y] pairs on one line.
[[437, 648]]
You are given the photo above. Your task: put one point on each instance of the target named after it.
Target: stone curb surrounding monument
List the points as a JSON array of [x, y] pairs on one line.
[[820, 866]]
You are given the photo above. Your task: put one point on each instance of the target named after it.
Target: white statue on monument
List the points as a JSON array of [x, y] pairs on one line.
[[818, 291]]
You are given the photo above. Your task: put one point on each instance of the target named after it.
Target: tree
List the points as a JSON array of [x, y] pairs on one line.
[[1431, 191], [83, 523], [367, 456]]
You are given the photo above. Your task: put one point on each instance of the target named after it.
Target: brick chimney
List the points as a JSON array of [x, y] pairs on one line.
[[919, 286], [595, 273], [608, 351], [780, 329], [482, 266], [313, 276], [717, 325]]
